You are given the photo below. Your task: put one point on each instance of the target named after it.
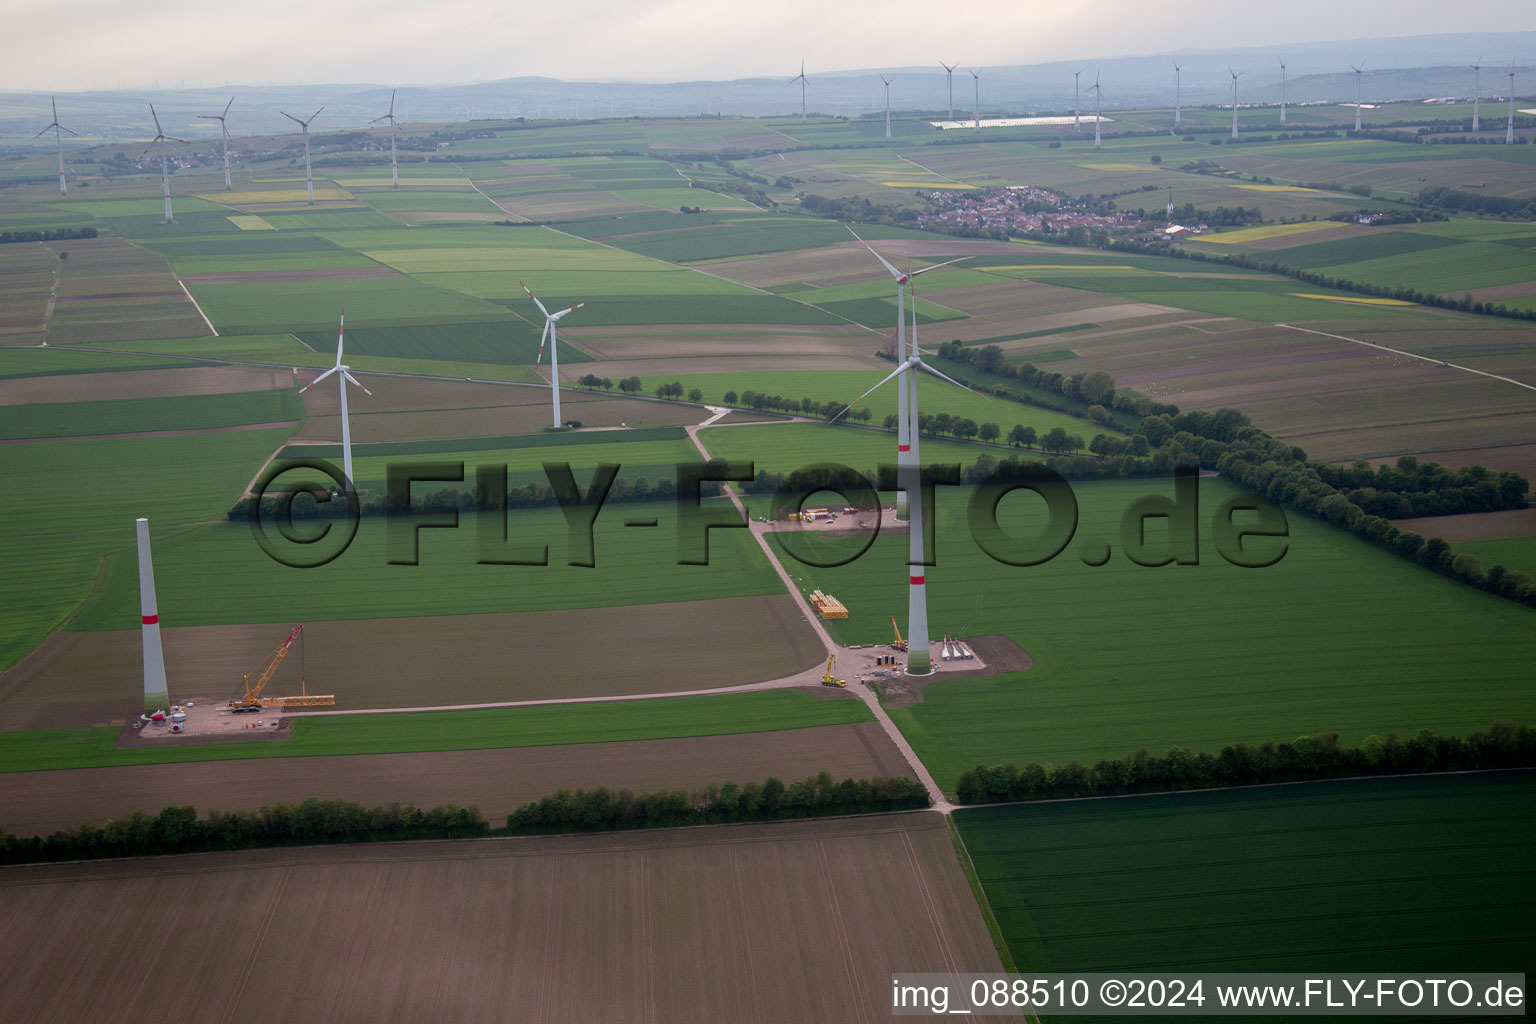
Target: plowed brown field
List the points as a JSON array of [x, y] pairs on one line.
[[792, 921]]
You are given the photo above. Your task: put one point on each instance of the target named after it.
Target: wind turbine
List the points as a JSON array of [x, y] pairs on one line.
[[58, 142], [919, 661], [1357, 93], [1177, 93], [161, 139], [1509, 133], [1282, 91], [903, 428], [1076, 100], [394, 167], [801, 79], [1235, 76], [342, 381], [1098, 122], [1477, 95], [224, 129], [550, 319], [949, 76], [309, 179], [887, 82], [976, 79]]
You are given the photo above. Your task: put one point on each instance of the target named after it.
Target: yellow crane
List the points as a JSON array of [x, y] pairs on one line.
[[252, 701], [900, 644], [826, 677]]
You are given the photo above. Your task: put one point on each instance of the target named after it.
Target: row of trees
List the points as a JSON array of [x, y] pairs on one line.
[[49, 235], [806, 406], [314, 821], [628, 385], [1503, 745], [180, 830], [602, 810]]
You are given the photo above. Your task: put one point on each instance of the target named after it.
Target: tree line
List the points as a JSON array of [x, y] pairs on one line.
[[46, 235], [178, 829], [1504, 745], [602, 809]]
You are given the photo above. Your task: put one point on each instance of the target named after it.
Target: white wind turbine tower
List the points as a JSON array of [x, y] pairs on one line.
[[887, 83], [801, 79], [949, 77], [1098, 122], [1509, 133], [1077, 81], [1357, 71], [343, 379], [1235, 76], [550, 319], [58, 142], [903, 427], [1477, 93], [976, 78], [309, 179], [224, 130], [394, 166], [919, 660], [1282, 91], [156, 697], [1177, 94], [161, 139]]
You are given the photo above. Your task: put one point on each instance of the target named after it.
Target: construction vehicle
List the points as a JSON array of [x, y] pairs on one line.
[[900, 644], [252, 701], [827, 678]]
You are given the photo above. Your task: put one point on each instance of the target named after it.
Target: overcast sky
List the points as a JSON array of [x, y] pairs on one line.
[[90, 44]]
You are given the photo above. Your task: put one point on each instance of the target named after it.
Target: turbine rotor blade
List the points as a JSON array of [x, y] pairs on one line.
[[888, 377], [290, 117], [544, 334], [936, 266], [318, 379], [572, 309], [535, 299], [314, 115], [226, 108], [942, 376], [884, 262], [354, 380]]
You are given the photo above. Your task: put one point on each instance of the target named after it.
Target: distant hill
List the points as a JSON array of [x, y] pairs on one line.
[[1412, 67]]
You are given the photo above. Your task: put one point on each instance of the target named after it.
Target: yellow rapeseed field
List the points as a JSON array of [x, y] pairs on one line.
[[1258, 234]]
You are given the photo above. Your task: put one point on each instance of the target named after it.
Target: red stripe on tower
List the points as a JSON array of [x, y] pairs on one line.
[[903, 447], [916, 581], [151, 620]]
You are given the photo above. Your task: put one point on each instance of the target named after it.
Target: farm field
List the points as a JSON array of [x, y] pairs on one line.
[[846, 385], [498, 781], [141, 415], [217, 574], [1430, 873], [477, 729], [578, 928], [429, 660], [786, 447], [1086, 698]]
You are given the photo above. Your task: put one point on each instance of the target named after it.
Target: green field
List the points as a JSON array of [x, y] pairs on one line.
[[68, 505], [509, 342], [1330, 638], [130, 415], [844, 386], [1397, 875], [786, 447], [216, 573], [261, 308], [546, 725]]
